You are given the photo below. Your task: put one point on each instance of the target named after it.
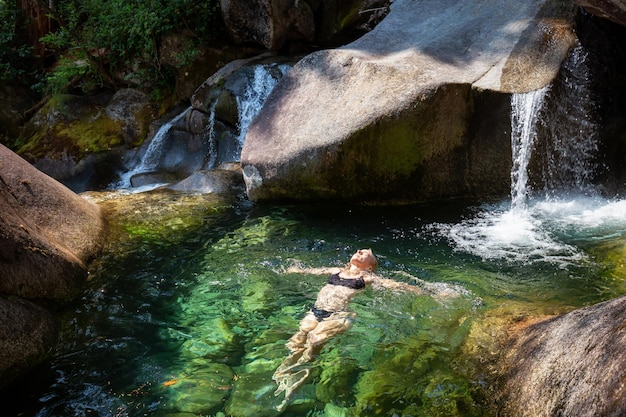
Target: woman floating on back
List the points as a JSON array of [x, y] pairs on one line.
[[329, 316]]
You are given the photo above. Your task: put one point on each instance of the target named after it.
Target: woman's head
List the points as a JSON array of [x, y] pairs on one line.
[[364, 259]]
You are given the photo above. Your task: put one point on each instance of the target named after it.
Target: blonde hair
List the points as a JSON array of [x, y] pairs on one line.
[[374, 265]]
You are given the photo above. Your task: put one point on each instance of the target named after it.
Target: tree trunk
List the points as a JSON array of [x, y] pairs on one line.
[[36, 24]]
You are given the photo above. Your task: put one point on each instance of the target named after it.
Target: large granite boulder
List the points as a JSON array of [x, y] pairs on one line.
[[416, 109], [571, 365], [48, 234]]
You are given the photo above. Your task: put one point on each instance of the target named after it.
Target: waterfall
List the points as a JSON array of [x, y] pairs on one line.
[[553, 131], [525, 109], [211, 158], [569, 141], [249, 105], [150, 160]]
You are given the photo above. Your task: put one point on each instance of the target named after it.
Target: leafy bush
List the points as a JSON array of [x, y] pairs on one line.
[[14, 55], [117, 41]]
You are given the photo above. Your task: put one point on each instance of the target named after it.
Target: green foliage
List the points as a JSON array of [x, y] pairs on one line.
[[13, 54], [117, 41]]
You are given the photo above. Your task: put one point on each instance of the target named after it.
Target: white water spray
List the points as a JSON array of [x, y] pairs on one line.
[[532, 229]]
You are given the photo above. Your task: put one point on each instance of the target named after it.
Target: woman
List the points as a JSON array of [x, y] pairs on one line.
[[329, 316]]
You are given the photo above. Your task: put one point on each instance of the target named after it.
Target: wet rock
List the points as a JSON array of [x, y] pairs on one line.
[[206, 94], [131, 108], [28, 336], [394, 111], [149, 178], [217, 181], [570, 365]]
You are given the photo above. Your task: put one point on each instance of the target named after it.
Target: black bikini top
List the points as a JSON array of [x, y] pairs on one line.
[[355, 284]]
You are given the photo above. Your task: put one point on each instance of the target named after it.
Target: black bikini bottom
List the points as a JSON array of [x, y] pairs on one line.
[[320, 314]]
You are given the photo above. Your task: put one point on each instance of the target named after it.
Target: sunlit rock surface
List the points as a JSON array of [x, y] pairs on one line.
[[48, 235], [394, 115], [571, 365]]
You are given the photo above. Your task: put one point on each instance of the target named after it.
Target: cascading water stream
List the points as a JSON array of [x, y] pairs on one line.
[[250, 104], [261, 84], [525, 109], [150, 160]]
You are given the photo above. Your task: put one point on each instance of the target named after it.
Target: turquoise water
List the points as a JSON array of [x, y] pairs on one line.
[[195, 324]]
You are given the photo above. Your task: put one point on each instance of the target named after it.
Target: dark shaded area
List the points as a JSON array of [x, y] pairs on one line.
[[606, 43]]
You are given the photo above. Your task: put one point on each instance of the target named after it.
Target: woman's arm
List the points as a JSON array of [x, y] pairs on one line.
[[298, 268], [393, 285]]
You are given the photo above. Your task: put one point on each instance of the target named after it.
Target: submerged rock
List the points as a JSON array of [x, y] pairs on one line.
[[570, 365], [403, 112]]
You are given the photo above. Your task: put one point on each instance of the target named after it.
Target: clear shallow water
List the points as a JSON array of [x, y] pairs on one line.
[[195, 324]]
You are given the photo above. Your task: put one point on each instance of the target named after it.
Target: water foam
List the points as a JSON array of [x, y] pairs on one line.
[[545, 231], [550, 228]]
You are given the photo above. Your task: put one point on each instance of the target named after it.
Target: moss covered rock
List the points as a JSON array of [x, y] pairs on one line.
[[71, 137]]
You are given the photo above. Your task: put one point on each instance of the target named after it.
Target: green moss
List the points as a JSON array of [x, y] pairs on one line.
[[96, 135], [76, 138], [63, 130], [400, 150], [160, 216]]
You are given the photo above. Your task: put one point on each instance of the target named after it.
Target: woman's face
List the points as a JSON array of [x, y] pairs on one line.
[[363, 259]]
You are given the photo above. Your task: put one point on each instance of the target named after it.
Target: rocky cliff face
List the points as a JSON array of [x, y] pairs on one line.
[[397, 113]]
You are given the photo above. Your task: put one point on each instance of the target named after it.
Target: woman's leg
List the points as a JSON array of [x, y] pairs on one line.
[[304, 346], [286, 375]]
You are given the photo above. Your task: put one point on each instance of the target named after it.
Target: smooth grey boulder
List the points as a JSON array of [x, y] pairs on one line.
[[393, 115]]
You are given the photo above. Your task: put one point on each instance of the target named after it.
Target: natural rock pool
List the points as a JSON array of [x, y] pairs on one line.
[[188, 310]]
